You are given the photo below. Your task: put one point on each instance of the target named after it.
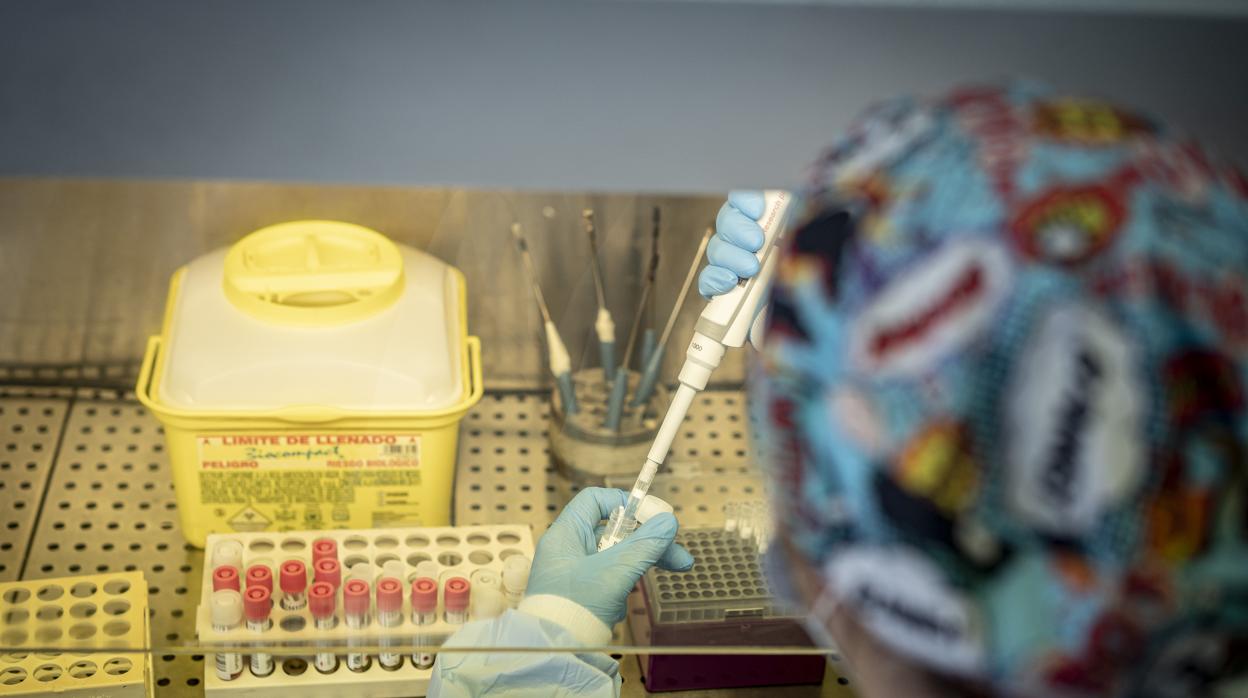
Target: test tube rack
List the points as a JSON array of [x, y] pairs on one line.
[[459, 552], [93, 619], [723, 601]]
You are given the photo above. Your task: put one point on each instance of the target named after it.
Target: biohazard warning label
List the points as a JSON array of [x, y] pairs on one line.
[[255, 481], [355, 451]]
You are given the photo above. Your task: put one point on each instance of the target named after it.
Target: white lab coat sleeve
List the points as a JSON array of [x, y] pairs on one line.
[[540, 621]]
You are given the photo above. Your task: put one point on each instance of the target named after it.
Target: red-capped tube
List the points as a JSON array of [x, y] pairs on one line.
[[355, 599], [225, 577], [424, 612], [329, 571], [424, 595], [321, 605], [389, 595], [389, 615], [355, 602], [324, 548], [256, 603], [293, 580], [455, 599], [321, 600], [260, 576]]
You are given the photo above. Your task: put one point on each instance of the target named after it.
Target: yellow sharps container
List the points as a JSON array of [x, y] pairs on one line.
[[312, 376]]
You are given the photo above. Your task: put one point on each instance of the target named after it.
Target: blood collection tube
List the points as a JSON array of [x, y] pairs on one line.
[[228, 553], [389, 615], [321, 605], [261, 576], [256, 605], [227, 615], [424, 612], [515, 578], [455, 594], [225, 577], [329, 571], [294, 583], [355, 604], [324, 548]]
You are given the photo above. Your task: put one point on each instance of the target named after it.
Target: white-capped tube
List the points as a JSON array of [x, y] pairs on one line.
[[427, 568], [652, 506], [485, 577], [486, 602], [393, 569], [228, 553], [515, 578], [227, 615]]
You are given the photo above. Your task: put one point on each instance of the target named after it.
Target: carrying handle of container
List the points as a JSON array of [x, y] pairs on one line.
[[146, 370], [312, 414]]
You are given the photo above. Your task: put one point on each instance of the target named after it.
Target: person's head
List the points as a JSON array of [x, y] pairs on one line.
[[1004, 383]]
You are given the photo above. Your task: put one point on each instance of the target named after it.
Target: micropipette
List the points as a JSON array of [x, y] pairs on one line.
[[560, 361], [725, 322], [650, 372], [604, 325], [615, 402], [647, 285]]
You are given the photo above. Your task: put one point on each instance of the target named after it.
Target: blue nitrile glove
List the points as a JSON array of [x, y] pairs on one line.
[[731, 251], [567, 563]]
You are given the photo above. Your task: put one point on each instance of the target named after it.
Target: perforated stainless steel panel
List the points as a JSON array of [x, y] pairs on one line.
[[505, 474], [29, 429], [108, 502], [110, 506]]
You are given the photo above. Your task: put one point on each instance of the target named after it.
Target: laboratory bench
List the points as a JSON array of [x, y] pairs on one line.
[[85, 488]]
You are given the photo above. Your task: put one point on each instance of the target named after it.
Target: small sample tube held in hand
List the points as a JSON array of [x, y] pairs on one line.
[[424, 612], [294, 583], [257, 602], [321, 606], [227, 615], [355, 604]]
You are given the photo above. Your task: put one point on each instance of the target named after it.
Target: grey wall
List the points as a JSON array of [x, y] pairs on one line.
[[544, 94], [85, 264]]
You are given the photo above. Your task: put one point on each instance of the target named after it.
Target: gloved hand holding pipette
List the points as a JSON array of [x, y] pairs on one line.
[[731, 251], [724, 322]]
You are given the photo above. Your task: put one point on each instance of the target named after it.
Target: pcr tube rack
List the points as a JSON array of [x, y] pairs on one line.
[[92, 618], [725, 601]]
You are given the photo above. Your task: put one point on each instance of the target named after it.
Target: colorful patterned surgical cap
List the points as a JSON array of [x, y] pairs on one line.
[[1005, 382]]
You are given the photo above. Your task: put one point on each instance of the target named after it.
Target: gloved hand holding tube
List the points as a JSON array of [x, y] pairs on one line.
[[567, 566]]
